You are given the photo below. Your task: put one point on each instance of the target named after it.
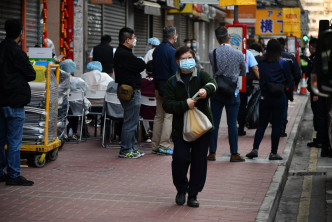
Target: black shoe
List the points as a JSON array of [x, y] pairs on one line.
[[19, 181], [283, 134], [252, 154], [192, 202], [241, 132], [275, 156], [283, 131], [3, 178], [314, 144], [326, 152], [180, 198]]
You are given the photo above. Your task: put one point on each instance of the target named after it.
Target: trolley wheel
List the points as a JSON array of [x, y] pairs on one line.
[[53, 154], [35, 161], [63, 141]]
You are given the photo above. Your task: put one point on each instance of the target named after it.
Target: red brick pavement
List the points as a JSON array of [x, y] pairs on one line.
[[90, 183]]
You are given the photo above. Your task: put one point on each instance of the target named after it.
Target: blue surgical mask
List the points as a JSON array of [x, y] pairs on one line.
[[187, 64], [194, 45]]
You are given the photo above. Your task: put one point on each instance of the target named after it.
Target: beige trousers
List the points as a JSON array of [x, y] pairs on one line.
[[162, 126]]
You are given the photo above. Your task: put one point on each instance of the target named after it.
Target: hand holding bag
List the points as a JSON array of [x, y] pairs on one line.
[[196, 124], [225, 84]]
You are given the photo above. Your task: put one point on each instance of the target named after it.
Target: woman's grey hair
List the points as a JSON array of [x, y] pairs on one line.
[[169, 32], [222, 34]]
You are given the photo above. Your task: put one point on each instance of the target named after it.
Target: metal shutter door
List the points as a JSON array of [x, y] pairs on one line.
[[33, 36], [9, 9], [158, 25], [141, 32], [114, 20], [190, 28], [94, 24], [183, 32]]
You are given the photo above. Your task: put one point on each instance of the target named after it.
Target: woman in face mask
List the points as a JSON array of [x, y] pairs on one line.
[[177, 100]]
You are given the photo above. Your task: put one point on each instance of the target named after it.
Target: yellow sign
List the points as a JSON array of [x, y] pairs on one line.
[[237, 2], [292, 21], [184, 8], [269, 22]]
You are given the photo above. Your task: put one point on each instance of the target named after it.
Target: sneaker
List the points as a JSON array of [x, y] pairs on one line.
[[74, 137], [19, 181], [180, 198], [163, 151], [275, 156], [314, 143], [237, 158], [148, 140], [3, 178], [130, 155], [139, 153], [211, 157], [252, 154]]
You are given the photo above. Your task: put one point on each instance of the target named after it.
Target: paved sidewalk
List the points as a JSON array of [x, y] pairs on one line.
[[90, 183]]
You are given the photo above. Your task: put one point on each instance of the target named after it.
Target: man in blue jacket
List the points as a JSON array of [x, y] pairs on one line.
[[15, 73], [164, 66]]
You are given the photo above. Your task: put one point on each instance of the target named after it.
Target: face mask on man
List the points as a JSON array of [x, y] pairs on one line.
[[188, 45], [187, 64], [135, 41], [194, 45]]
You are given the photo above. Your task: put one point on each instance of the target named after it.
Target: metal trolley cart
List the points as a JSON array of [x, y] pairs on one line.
[[40, 127]]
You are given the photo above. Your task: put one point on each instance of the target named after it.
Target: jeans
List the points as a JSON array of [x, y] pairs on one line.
[[270, 107], [130, 122], [162, 126], [193, 154], [231, 104], [11, 131]]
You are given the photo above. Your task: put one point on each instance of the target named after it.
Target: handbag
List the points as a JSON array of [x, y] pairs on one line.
[[225, 84], [125, 92], [275, 89], [196, 124]]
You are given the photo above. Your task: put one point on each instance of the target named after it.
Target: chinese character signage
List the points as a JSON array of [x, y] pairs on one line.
[[292, 21], [269, 22], [237, 2]]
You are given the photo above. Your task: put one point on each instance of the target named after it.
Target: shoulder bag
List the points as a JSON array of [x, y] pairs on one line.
[[125, 92]]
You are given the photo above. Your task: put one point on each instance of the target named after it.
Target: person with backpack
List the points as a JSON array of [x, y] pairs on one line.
[[180, 89], [274, 80]]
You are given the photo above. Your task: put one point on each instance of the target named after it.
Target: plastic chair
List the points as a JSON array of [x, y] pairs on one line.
[[96, 97], [113, 111], [76, 103]]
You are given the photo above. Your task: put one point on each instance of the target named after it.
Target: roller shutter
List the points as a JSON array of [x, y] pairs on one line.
[[9, 9], [33, 29], [158, 25], [114, 19], [183, 33], [190, 28], [94, 24], [141, 32]]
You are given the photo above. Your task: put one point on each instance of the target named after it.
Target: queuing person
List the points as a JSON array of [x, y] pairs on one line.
[[230, 63], [296, 76], [127, 68], [104, 54], [15, 73], [177, 100], [274, 74], [187, 42], [320, 109], [251, 63], [153, 43], [164, 66]]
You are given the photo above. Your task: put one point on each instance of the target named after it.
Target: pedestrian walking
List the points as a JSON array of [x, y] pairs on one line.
[[127, 69], [177, 100], [103, 53], [320, 108], [15, 93], [164, 66], [275, 79], [229, 63]]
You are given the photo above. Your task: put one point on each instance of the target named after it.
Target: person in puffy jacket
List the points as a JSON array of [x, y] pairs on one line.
[[275, 79], [180, 89]]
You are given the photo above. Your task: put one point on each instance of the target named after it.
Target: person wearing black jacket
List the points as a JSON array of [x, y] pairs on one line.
[[274, 73], [128, 68], [15, 73], [103, 53]]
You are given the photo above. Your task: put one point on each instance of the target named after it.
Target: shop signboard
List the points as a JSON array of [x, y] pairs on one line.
[[211, 2], [292, 21], [184, 8], [101, 1], [269, 22], [237, 2]]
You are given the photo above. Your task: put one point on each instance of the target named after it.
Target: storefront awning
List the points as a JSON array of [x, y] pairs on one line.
[[151, 8]]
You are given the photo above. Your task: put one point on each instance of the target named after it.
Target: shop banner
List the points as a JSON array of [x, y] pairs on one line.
[[184, 8], [292, 20], [269, 22], [237, 2], [101, 1]]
